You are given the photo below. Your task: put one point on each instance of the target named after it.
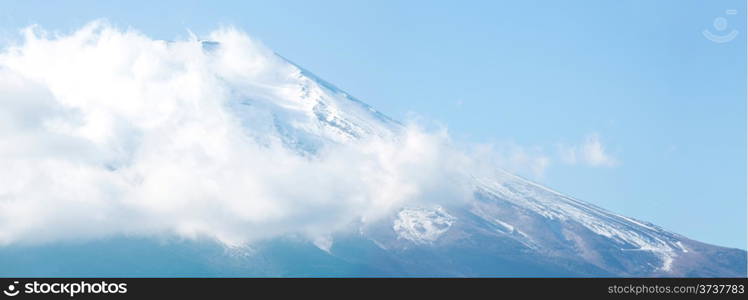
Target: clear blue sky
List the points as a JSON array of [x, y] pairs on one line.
[[666, 102]]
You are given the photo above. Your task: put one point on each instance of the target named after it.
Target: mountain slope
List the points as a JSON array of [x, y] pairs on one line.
[[513, 220]]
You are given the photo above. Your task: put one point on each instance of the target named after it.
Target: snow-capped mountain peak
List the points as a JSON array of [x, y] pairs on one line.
[[224, 140]]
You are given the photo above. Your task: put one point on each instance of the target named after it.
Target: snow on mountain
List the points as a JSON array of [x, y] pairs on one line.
[[629, 234], [308, 112], [421, 225]]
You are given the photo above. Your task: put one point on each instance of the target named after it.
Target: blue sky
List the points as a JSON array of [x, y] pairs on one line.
[[667, 104]]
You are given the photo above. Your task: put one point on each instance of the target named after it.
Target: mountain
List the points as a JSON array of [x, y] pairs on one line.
[[510, 227]]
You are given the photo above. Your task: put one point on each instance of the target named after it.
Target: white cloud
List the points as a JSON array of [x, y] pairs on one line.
[[108, 132], [527, 161], [591, 153]]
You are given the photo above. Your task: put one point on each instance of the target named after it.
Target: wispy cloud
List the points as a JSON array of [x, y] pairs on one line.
[[591, 153]]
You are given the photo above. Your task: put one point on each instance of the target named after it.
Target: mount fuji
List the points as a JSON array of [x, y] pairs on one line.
[[508, 226]]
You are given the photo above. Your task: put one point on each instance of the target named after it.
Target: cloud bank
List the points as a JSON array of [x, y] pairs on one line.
[[108, 132]]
